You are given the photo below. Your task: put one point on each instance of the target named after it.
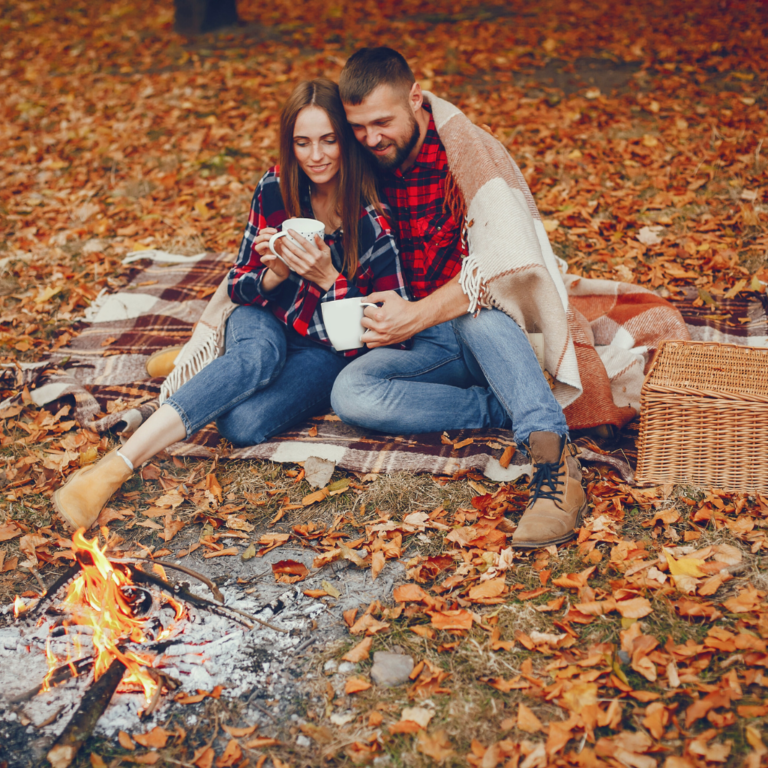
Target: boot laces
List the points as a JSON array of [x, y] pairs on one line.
[[545, 481]]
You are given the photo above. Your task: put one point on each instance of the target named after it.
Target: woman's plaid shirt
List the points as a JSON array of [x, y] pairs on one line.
[[296, 302]]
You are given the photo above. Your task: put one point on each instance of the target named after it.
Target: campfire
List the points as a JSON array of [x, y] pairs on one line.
[[125, 628], [104, 600]]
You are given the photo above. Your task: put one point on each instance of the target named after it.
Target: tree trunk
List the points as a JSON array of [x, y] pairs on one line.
[[194, 17]]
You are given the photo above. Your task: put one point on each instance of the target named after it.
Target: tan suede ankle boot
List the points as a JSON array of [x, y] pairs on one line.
[[558, 501], [163, 362], [80, 500]]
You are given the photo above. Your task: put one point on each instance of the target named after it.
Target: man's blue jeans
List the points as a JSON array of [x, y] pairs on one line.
[[269, 378], [469, 373]]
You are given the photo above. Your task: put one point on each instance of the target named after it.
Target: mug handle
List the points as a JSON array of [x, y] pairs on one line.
[[272, 241], [367, 304]]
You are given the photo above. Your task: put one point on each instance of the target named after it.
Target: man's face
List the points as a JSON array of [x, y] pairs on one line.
[[385, 125]]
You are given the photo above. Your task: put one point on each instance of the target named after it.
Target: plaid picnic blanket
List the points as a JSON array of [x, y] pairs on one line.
[[103, 369]]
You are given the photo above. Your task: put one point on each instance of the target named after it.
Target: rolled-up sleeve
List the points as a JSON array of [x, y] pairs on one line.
[[245, 281]]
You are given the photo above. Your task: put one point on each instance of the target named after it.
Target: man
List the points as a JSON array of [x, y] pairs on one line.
[[464, 371]]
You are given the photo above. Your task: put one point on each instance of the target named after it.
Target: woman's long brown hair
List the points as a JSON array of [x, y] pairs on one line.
[[357, 182]]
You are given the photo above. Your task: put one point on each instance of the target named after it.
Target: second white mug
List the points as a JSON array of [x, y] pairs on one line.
[[343, 322]]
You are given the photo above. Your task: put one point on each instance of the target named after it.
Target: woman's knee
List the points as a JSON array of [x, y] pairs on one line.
[[239, 427], [255, 345]]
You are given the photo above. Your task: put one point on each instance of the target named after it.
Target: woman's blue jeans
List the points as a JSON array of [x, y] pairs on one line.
[[269, 378], [469, 373]]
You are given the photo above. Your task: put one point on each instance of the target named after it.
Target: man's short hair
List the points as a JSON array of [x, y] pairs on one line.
[[369, 68]]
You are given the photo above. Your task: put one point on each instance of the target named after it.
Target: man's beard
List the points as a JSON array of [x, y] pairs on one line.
[[401, 150]]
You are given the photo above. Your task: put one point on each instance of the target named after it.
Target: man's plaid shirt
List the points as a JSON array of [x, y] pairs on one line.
[[296, 301], [431, 243]]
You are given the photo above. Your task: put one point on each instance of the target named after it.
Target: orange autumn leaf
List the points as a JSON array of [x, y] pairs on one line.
[[232, 754], [409, 593], [313, 498], [506, 457], [125, 741], [260, 742], [458, 619], [290, 571], [377, 563], [635, 608], [369, 625], [360, 652], [436, 745], [315, 593], [239, 733], [497, 644], [203, 757], [356, 685], [489, 588], [156, 738], [404, 726], [527, 720]]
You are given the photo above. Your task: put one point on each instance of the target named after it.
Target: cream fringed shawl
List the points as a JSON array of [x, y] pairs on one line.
[[511, 265]]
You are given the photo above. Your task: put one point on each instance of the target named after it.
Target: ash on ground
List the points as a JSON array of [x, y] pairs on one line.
[[270, 673]]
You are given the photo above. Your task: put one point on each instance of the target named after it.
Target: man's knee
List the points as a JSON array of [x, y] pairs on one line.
[[356, 397], [487, 322]]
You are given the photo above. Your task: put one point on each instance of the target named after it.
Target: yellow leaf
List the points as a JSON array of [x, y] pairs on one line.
[[580, 696], [330, 589], [47, 294], [737, 288], [685, 566]]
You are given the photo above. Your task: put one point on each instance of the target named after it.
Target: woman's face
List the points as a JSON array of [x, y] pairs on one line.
[[316, 145]]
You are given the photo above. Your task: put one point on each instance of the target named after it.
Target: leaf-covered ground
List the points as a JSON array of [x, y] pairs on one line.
[[640, 129]]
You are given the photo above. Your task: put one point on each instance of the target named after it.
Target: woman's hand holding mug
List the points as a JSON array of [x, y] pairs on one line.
[[310, 259], [278, 268]]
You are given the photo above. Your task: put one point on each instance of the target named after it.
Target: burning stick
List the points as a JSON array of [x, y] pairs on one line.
[[183, 593], [91, 708]]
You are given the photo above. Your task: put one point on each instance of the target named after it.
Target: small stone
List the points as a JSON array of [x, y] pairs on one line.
[[391, 669], [302, 741], [347, 668], [330, 666], [318, 472]]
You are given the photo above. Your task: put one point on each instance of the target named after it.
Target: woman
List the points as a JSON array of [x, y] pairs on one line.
[[279, 366]]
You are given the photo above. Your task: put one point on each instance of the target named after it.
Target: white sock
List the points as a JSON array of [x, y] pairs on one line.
[[126, 460]]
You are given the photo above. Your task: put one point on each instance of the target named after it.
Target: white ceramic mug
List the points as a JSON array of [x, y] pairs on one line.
[[307, 228], [343, 322]]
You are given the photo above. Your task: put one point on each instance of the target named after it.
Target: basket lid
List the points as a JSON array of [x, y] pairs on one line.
[[712, 367]]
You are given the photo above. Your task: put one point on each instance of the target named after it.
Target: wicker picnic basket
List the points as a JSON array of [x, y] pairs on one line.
[[704, 417]]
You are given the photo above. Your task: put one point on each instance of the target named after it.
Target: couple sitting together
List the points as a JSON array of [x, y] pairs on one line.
[[422, 210]]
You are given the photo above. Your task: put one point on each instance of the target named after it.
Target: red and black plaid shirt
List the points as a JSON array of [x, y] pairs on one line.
[[431, 245]]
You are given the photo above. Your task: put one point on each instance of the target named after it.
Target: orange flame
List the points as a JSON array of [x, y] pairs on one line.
[[19, 606], [96, 599]]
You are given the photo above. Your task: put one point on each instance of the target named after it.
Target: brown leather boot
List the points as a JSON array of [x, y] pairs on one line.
[[558, 500], [80, 500]]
